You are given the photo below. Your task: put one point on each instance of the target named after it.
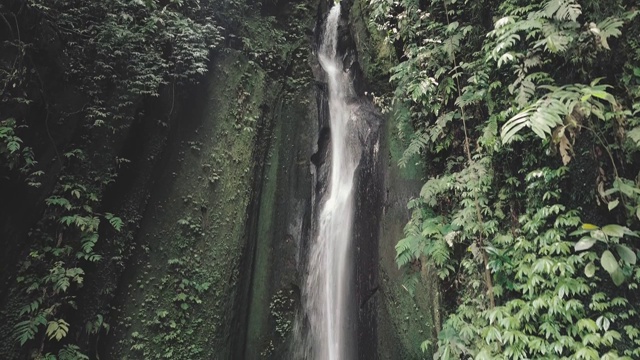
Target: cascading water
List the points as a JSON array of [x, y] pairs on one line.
[[328, 287]]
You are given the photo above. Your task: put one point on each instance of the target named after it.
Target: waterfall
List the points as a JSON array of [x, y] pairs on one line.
[[329, 285]]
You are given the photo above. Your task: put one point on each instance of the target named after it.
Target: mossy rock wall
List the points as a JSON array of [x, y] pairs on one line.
[[177, 298], [404, 321], [215, 275], [283, 221]]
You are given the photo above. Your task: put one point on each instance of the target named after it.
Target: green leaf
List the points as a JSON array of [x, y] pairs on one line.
[[585, 243], [26, 330], [626, 254], [590, 269], [612, 204], [634, 135], [614, 230], [603, 323], [515, 124], [617, 277], [13, 146], [57, 329], [630, 232], [58, 201], [578, 232], [52, 328], [116, 222], [609, 262], [425, 345], [589, 227]]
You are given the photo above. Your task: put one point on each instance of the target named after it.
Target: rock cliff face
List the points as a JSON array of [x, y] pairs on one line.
[[389, 324], [403, 321], [235, 205]]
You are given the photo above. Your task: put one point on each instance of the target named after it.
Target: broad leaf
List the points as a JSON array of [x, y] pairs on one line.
[[617, 277], [626, 254], [609, 262], [614, 230], [585, 243], [590, 269], [589, 227]]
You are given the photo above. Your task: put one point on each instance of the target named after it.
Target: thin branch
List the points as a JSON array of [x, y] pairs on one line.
[[8, 25], [467, 148], [606, 148], [53, 143], [15, 19], [173, 98]]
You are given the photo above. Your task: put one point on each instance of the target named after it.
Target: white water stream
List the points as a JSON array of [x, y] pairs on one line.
[[329, 280]]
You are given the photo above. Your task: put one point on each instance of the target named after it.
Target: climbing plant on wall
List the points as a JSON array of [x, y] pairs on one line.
[[111, 56], [525, 115], [76, 81]]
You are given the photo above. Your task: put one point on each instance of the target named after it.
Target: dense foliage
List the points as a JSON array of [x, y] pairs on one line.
[[526, 115], [79, 82], [105, 58]]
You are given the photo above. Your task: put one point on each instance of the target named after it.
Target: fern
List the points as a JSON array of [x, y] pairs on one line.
[[27, 330], [115, 221], [31, 308], [433, 188], [407, 250], [57, 329], [541, 117], [609, 27], [415, 147], [71, 352], [537, 70], [552, 109], [562, 10], [410, 283]]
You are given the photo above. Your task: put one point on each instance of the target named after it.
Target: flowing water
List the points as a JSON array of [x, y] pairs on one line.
[[329, 287]]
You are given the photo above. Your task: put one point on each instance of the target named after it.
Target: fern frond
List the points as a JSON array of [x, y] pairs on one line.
[[439, 252], [548, 112], [438, 129], [555, 41], [27, 330], [71, 352], [434, 188], [609, 27], [562, 10], [525, 92], [407, 250], [411, 282], [417, 144]]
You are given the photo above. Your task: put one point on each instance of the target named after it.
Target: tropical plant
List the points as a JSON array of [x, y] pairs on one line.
[[467, 92]]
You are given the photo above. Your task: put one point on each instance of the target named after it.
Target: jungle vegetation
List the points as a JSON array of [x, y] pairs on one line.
[[78, 80], [527, 118], [525, 115]]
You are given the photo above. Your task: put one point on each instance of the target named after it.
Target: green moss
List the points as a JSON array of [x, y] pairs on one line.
[[275, 268], [259, 302], [375, 55], [193, 235], [414, 169]]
